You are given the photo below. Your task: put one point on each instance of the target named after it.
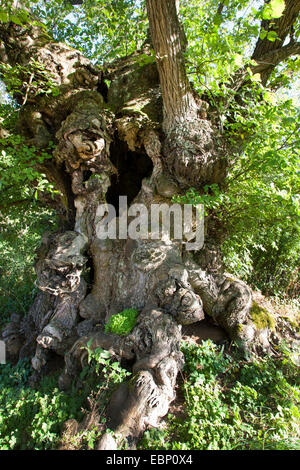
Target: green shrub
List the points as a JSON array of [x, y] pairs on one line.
[[122, 323]]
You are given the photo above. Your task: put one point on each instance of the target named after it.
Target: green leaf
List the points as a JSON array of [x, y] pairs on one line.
[[15, 19], [218, 20], [3, 17], [274, 9], [272, 36], [263, 34]]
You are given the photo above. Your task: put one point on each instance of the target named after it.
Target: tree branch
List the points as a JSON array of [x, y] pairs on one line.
[[220, 7], [166, 36], [266, 51], [274, 57]]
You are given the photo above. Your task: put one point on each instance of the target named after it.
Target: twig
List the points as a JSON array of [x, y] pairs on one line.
[[28, 88]]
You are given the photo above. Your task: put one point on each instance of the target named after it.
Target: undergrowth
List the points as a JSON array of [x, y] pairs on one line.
[[20, 235], [34, 419], [231, 403]]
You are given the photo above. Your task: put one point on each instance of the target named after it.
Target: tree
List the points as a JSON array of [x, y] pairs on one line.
[[149, 136]]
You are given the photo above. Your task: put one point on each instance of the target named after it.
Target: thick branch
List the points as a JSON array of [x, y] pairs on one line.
[[282, 26], [274, 57], [166, 37], [190, 150]]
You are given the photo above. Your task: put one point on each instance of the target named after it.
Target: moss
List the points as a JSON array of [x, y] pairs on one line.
[[261, 317], [293, 323], [122, 323], [230, 279]]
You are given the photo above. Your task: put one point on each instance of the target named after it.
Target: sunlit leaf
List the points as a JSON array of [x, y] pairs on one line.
[[274, 9]]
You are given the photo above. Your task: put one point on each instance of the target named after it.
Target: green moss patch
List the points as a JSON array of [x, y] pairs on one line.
[[261, 317], [122, 323]]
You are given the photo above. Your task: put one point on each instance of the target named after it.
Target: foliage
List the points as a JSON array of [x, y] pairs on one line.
[[32, 419], [98, 379], [211, 198], [20, 177], [9, 13], [25, 183], [274, 9], [230, 403], [221, 36], [259, 207], [30, 80], [101, 30], [20, 234], [101, 363], [263, 209], [20, 230], [233, 404], [122, 323]]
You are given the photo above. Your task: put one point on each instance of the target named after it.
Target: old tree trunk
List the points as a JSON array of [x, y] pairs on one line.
[[148, 136]]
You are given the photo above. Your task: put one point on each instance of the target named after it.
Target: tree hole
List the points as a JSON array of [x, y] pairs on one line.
[[204, 330], [132, 167]]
